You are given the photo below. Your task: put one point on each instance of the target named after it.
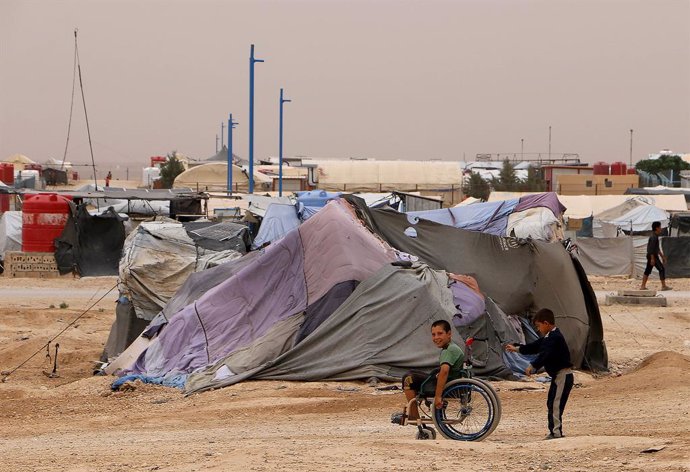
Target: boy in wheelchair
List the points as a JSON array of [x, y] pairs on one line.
[[432, 384]]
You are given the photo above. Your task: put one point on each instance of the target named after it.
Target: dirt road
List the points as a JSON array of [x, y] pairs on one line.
[[75, 423]]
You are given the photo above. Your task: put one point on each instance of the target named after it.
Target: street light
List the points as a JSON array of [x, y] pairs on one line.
[[631, 136], [280, 146], [231, 125], [252, 60]]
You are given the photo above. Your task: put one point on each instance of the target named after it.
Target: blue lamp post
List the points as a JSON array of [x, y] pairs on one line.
[[231, 125], [280, 146], [252, 60]]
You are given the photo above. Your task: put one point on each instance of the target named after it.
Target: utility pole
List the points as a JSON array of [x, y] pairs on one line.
[[216, 144], [522, 149], [231, 125], [222, 130], [631, 141], [252, 60], [280, 145]]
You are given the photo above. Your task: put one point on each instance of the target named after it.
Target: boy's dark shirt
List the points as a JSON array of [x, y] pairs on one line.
[[552, 350], [653, 245]]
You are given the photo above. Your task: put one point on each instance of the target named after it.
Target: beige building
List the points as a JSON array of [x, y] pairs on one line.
[[583, 184]]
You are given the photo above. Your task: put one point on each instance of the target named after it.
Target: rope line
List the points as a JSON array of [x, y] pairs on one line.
[[57, 335]]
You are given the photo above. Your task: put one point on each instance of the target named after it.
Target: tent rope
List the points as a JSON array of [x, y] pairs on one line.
[[4, 378], [621, 326], [203, 328]]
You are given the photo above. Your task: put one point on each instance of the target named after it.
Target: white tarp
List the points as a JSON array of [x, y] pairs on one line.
[[10, 232], [635, 214], [535, 223]]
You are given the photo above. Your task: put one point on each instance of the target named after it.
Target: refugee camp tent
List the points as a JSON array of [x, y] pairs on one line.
[[156, 260], [214, 176], [19, 161], [90, 245], [537, 274], [634, 215]]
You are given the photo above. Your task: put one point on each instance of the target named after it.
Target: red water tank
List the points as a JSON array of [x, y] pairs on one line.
[[43, 219], [632, 170], [600, 168], [618, 168], [7, 173], [75, 175]]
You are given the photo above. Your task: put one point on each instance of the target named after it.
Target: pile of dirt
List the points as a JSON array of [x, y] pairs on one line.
[[664, 370]]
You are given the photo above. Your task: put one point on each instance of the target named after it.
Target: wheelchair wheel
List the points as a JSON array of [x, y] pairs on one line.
[[470, 413], [496, 400]]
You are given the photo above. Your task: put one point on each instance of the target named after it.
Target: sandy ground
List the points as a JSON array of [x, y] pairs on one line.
[[75, 423]]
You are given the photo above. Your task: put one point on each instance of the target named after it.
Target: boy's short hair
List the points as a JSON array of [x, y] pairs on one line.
[[442, 323], [544, 315], [655, 225]]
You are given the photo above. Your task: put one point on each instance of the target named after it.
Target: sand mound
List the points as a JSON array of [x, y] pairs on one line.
[[664, 369]]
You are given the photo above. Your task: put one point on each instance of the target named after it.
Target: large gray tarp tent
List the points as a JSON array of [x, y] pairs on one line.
[[334, 271], [521, 276]]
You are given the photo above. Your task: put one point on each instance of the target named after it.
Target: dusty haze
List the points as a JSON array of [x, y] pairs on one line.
[[385, 79]]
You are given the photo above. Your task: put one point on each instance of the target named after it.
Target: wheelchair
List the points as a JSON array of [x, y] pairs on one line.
[[471, 408]]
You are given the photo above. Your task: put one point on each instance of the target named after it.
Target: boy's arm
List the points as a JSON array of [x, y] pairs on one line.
[[441, 380], [532, 348], [547, 347]]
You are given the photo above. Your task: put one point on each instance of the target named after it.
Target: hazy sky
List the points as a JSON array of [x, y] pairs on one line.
[[386, 79]]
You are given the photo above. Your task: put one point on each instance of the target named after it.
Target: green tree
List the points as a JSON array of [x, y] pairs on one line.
[[170, 169], [663, 163], [534, 182], [507, 180], [475, 186]]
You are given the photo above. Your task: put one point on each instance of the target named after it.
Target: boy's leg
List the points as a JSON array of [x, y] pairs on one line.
[[411, 383], [559, 391]]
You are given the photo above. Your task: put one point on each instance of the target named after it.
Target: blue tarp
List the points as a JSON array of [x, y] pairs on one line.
[[491, 217], [278, 221], [316, 198]]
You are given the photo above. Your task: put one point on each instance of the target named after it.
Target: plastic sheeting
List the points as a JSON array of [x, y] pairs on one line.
[[606, 256], [518, 275], [677, 252], [10, 232], [277, 222], [156, 260], [532, 216]]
